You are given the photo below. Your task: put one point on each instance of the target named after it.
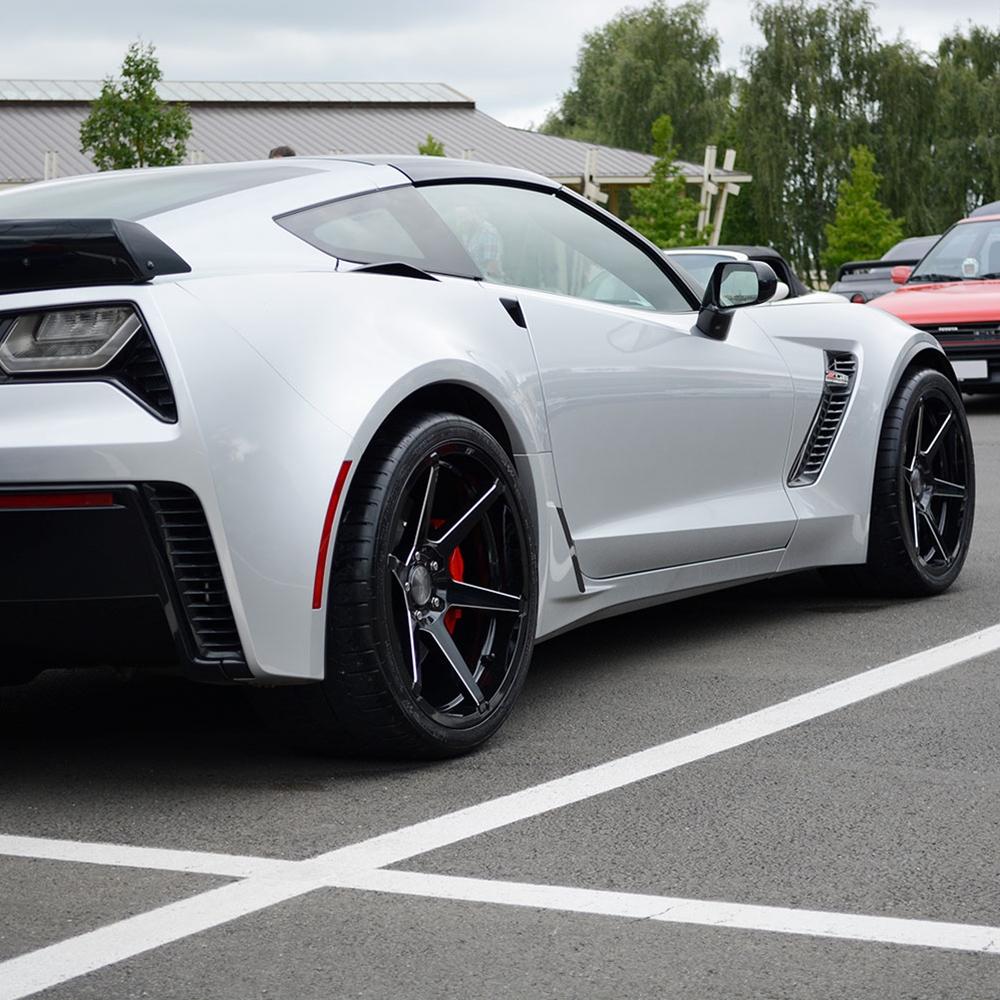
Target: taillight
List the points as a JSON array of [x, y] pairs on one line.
[[53, 501], [107, 342], [80, 339]]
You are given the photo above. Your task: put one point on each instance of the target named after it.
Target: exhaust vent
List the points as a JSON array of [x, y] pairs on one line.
[[187, 542], [841, 371]]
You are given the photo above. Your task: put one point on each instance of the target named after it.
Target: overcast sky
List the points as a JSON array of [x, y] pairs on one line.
[[514, 57]]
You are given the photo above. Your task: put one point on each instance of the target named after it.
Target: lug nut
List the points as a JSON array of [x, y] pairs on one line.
[[435, 602], [434, 567]]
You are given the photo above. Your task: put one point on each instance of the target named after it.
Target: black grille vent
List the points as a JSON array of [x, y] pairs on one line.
[[826, 423], [142, 372], [964, 334], [190, 551]]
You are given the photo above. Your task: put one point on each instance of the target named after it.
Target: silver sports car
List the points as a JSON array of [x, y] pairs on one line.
[[362, 431]]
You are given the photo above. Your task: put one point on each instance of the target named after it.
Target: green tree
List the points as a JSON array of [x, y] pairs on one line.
[[128, 124], [431, 147], [862, 228], [643, 63], [808, 98], [966, 144], [903, 135], [663, 212]]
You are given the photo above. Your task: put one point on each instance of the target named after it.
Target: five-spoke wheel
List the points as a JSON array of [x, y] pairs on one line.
[[936, 469], [923, 498], [458, 561], [432, 599]]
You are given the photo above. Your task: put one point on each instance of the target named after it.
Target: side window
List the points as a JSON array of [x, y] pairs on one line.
[[395, 224], [535, 239], [990, 254]]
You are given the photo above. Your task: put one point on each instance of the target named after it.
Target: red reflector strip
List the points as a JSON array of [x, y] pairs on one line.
[[324, 540], [52, 501]]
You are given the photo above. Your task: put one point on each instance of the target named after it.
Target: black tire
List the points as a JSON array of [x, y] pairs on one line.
[[396, 573], [924, 495]]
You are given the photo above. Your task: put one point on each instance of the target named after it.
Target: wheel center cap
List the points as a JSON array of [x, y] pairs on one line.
[[421, 585], [921, 486]]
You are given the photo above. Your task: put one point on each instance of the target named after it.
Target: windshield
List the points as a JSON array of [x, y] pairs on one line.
[[135, 195], [969, 251]]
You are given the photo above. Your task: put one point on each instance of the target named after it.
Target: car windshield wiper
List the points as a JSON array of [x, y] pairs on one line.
[[986, 277], [935, 277]]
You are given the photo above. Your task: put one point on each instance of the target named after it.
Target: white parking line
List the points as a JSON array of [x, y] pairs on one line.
[[156, 858], [38, 970], [392, 848], [671, 909]]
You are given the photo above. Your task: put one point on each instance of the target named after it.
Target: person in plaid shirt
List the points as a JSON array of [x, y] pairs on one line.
[[482, 242]]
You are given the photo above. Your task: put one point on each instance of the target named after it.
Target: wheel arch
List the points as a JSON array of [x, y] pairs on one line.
[[456, 397], [929, 357], [474, 404]]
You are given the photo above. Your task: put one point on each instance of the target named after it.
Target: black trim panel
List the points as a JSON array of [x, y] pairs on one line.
[[68, 573], [37, 254], [572, 550]]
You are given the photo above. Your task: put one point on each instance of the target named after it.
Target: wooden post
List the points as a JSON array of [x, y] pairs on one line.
[[591, 189], [728, 162], [708, 188]]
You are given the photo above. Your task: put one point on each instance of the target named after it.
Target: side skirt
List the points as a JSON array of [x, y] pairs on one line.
[[605, 598]]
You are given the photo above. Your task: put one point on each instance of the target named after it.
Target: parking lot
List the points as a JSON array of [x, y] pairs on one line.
[[156, 842]]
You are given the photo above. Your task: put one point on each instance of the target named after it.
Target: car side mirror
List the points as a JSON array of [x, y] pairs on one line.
[[900, 274], [733, 285]]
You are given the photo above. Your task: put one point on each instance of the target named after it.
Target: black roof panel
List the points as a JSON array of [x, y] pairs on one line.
[[428, 169]]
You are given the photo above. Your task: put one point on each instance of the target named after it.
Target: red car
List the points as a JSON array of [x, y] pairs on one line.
[[954, 294]]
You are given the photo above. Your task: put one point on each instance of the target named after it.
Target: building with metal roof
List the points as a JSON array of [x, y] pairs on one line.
[[40, 125]]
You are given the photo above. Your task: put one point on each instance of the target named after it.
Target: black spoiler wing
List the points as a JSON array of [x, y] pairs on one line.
[[38, 254], [867, 265]]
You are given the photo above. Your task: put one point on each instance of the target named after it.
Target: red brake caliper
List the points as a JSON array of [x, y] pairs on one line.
[[456, 566]]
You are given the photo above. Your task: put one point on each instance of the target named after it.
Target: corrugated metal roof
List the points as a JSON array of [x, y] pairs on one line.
[[202, 91], [241, 131]]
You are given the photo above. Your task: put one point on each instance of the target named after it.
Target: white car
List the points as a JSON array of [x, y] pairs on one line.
[[700, 262], [363, 431]]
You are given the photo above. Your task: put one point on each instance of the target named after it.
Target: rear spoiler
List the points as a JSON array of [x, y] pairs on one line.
[[38, 254], [867, 265]]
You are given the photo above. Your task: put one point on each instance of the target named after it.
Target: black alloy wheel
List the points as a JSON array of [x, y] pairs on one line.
[[456, 571], [936, 470], [432, 602], [924, 493]]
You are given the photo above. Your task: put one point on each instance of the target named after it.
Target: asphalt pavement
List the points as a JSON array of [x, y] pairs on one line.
[[888, 807]]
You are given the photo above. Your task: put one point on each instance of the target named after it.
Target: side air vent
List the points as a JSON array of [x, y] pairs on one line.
[[141, 372], [180, 520], [841, 370]]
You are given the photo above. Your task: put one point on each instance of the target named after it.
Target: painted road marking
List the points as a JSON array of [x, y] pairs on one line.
[[155, 858], [671, 909], [47, 967]]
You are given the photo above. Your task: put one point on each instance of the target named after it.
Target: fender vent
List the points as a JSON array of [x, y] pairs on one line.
[[190, 551], [841, 370]]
